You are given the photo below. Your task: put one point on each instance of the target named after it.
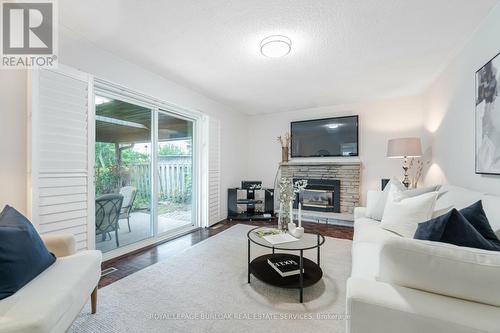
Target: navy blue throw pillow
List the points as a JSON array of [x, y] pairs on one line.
[[433, 230], [23, 255], [477, 217], [453, 228]]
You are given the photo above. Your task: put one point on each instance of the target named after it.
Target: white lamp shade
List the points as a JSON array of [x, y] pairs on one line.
[[404, 147]]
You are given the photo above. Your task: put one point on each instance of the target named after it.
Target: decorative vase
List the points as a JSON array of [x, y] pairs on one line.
[[284, 154], [283, 222], [283, 219]]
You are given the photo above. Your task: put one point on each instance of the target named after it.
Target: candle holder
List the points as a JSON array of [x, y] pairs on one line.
[[295, 231], [298, 232]]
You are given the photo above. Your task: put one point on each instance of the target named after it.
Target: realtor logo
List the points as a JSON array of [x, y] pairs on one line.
[[28, 34]]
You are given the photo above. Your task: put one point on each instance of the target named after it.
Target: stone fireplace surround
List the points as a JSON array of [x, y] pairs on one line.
[[347, 172]]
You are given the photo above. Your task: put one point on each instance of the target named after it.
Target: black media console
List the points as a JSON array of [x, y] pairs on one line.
[[250, 202]]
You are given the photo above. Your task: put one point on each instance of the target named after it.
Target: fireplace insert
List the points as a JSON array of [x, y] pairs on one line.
[[320, 195]]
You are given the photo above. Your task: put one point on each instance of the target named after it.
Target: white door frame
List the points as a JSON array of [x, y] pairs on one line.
[[90, 166]]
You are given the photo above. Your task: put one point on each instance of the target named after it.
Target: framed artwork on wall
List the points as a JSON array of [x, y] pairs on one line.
[[487, 115]]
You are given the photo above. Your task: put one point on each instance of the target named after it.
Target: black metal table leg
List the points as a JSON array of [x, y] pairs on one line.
[[301, 268], [318, 251], [273, 249], [249, 261]]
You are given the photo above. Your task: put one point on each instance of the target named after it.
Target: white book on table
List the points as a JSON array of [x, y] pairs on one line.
[[280, 238]]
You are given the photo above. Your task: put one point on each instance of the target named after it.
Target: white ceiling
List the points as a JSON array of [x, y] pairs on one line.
[[343, 51]]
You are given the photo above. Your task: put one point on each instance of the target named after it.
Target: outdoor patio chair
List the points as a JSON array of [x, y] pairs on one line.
[[129, 193], [107, 211]]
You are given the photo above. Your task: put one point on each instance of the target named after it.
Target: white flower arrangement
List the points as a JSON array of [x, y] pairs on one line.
[[288, 189], [287, 192]]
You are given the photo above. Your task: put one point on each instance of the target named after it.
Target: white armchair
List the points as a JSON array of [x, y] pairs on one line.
[[60, 245], [52, 300]]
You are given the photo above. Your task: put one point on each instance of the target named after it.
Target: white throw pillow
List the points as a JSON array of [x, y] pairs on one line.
[[372, 200], [414, 192], [402, 215], [375, 210]]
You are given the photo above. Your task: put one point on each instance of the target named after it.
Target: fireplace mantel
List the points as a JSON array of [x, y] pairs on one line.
[[311, 163]]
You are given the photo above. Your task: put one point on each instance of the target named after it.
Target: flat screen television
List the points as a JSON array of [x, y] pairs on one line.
[[325, 137]]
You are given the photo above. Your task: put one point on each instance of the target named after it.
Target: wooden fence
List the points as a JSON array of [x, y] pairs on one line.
[[174, 177]]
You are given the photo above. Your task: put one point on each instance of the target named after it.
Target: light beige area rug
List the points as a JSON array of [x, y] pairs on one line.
[[205, 289]]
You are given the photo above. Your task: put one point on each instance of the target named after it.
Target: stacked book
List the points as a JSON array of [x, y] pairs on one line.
[[275, 236], [285, 265]]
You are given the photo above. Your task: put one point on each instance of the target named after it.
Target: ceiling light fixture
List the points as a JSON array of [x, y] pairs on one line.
[[275, 46]]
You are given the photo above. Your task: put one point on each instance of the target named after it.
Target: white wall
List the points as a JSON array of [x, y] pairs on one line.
[[379, 122], [13, 139], [450, 112]]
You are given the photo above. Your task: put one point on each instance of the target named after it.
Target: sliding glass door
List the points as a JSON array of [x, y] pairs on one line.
[[144, 172], [175, 172], [122, 173]]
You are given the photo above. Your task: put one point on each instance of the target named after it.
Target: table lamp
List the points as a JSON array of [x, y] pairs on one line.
[[404, 148]]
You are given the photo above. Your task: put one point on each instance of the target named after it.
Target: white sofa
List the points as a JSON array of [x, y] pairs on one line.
[[400, 284], [52, 301]]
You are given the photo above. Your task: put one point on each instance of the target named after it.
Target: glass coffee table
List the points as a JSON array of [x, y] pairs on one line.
[[309, 271]]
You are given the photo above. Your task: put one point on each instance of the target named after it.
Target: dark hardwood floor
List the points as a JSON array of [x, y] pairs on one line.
[[137, 260]]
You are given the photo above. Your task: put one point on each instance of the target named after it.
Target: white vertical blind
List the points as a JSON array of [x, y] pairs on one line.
[[59, 165], [213, 171]]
